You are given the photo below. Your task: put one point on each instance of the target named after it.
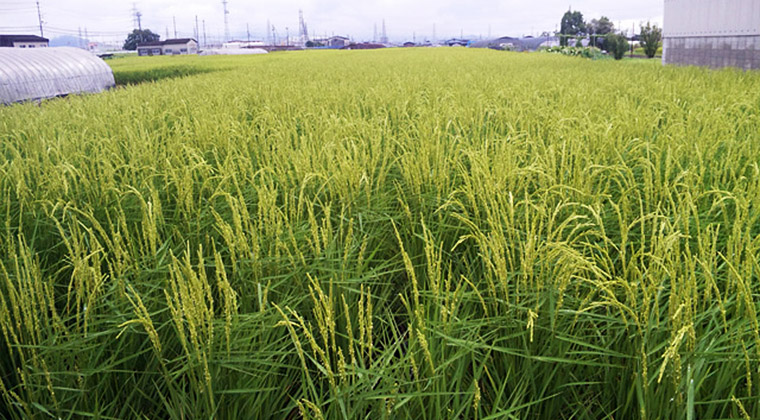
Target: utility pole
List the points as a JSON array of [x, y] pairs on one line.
[[226, 21], [39, 16], [197, 30], [374, 34], [434, 35], [139, 20], [205, 43], [633, 34], [167, 32], [175, 26], [80, 37], [269, 33], [86, 39], [248, 30], [287, 36]]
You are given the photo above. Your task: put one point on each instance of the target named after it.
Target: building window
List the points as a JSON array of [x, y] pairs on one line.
[[184, 50], [168, 50], [31, 46]]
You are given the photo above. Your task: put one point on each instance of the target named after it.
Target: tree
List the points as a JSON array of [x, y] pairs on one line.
[[601, 26], [572, 25], [616, 44], [650, 38], [140, 37]]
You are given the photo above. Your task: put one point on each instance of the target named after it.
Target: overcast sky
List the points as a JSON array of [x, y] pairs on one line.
[[108, 20]]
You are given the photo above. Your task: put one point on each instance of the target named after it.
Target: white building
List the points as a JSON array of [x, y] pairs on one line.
[[714, 33], [23, 41], [182, 46]]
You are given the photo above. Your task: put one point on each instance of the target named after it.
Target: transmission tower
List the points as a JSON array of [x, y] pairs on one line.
[[226, 21], [384, 36], [303, 31], [137, 16]]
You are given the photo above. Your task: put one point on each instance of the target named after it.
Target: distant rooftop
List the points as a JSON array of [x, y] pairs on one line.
[[167, 42], [8, 40]]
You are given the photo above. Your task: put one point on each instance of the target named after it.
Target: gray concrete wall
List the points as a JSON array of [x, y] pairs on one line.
[[713, 51]]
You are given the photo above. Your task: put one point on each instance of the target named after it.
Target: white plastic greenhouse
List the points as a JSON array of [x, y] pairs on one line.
[[40, 73]]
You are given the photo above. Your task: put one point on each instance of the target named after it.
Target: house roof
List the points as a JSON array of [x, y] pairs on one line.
[[182, 41], [8, 40], [151, 44], [179, 41]]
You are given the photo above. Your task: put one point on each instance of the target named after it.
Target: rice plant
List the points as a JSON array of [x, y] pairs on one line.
[[419, 234]]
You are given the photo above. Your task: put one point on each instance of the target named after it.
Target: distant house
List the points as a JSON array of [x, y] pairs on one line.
[[23, 41], [454, 42], [182, 46], [338, 42], [409, 44], [150, 48], [363, 46]]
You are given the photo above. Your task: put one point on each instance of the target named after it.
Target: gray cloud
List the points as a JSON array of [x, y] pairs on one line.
[[111, 20]]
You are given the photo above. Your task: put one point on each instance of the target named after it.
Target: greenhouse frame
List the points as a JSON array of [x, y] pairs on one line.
[[42, 73]]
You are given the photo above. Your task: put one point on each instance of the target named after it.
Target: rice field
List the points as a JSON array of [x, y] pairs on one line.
[[392, 234]]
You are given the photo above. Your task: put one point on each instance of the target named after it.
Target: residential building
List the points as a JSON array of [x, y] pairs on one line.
[[23, 41], [182, 46]]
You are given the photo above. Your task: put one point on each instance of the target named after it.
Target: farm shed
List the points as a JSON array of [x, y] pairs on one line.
[[40, 73], [715, 33]]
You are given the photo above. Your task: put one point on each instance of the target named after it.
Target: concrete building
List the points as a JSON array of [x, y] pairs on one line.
[[714, 33], [23, 41], [182, 46]]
